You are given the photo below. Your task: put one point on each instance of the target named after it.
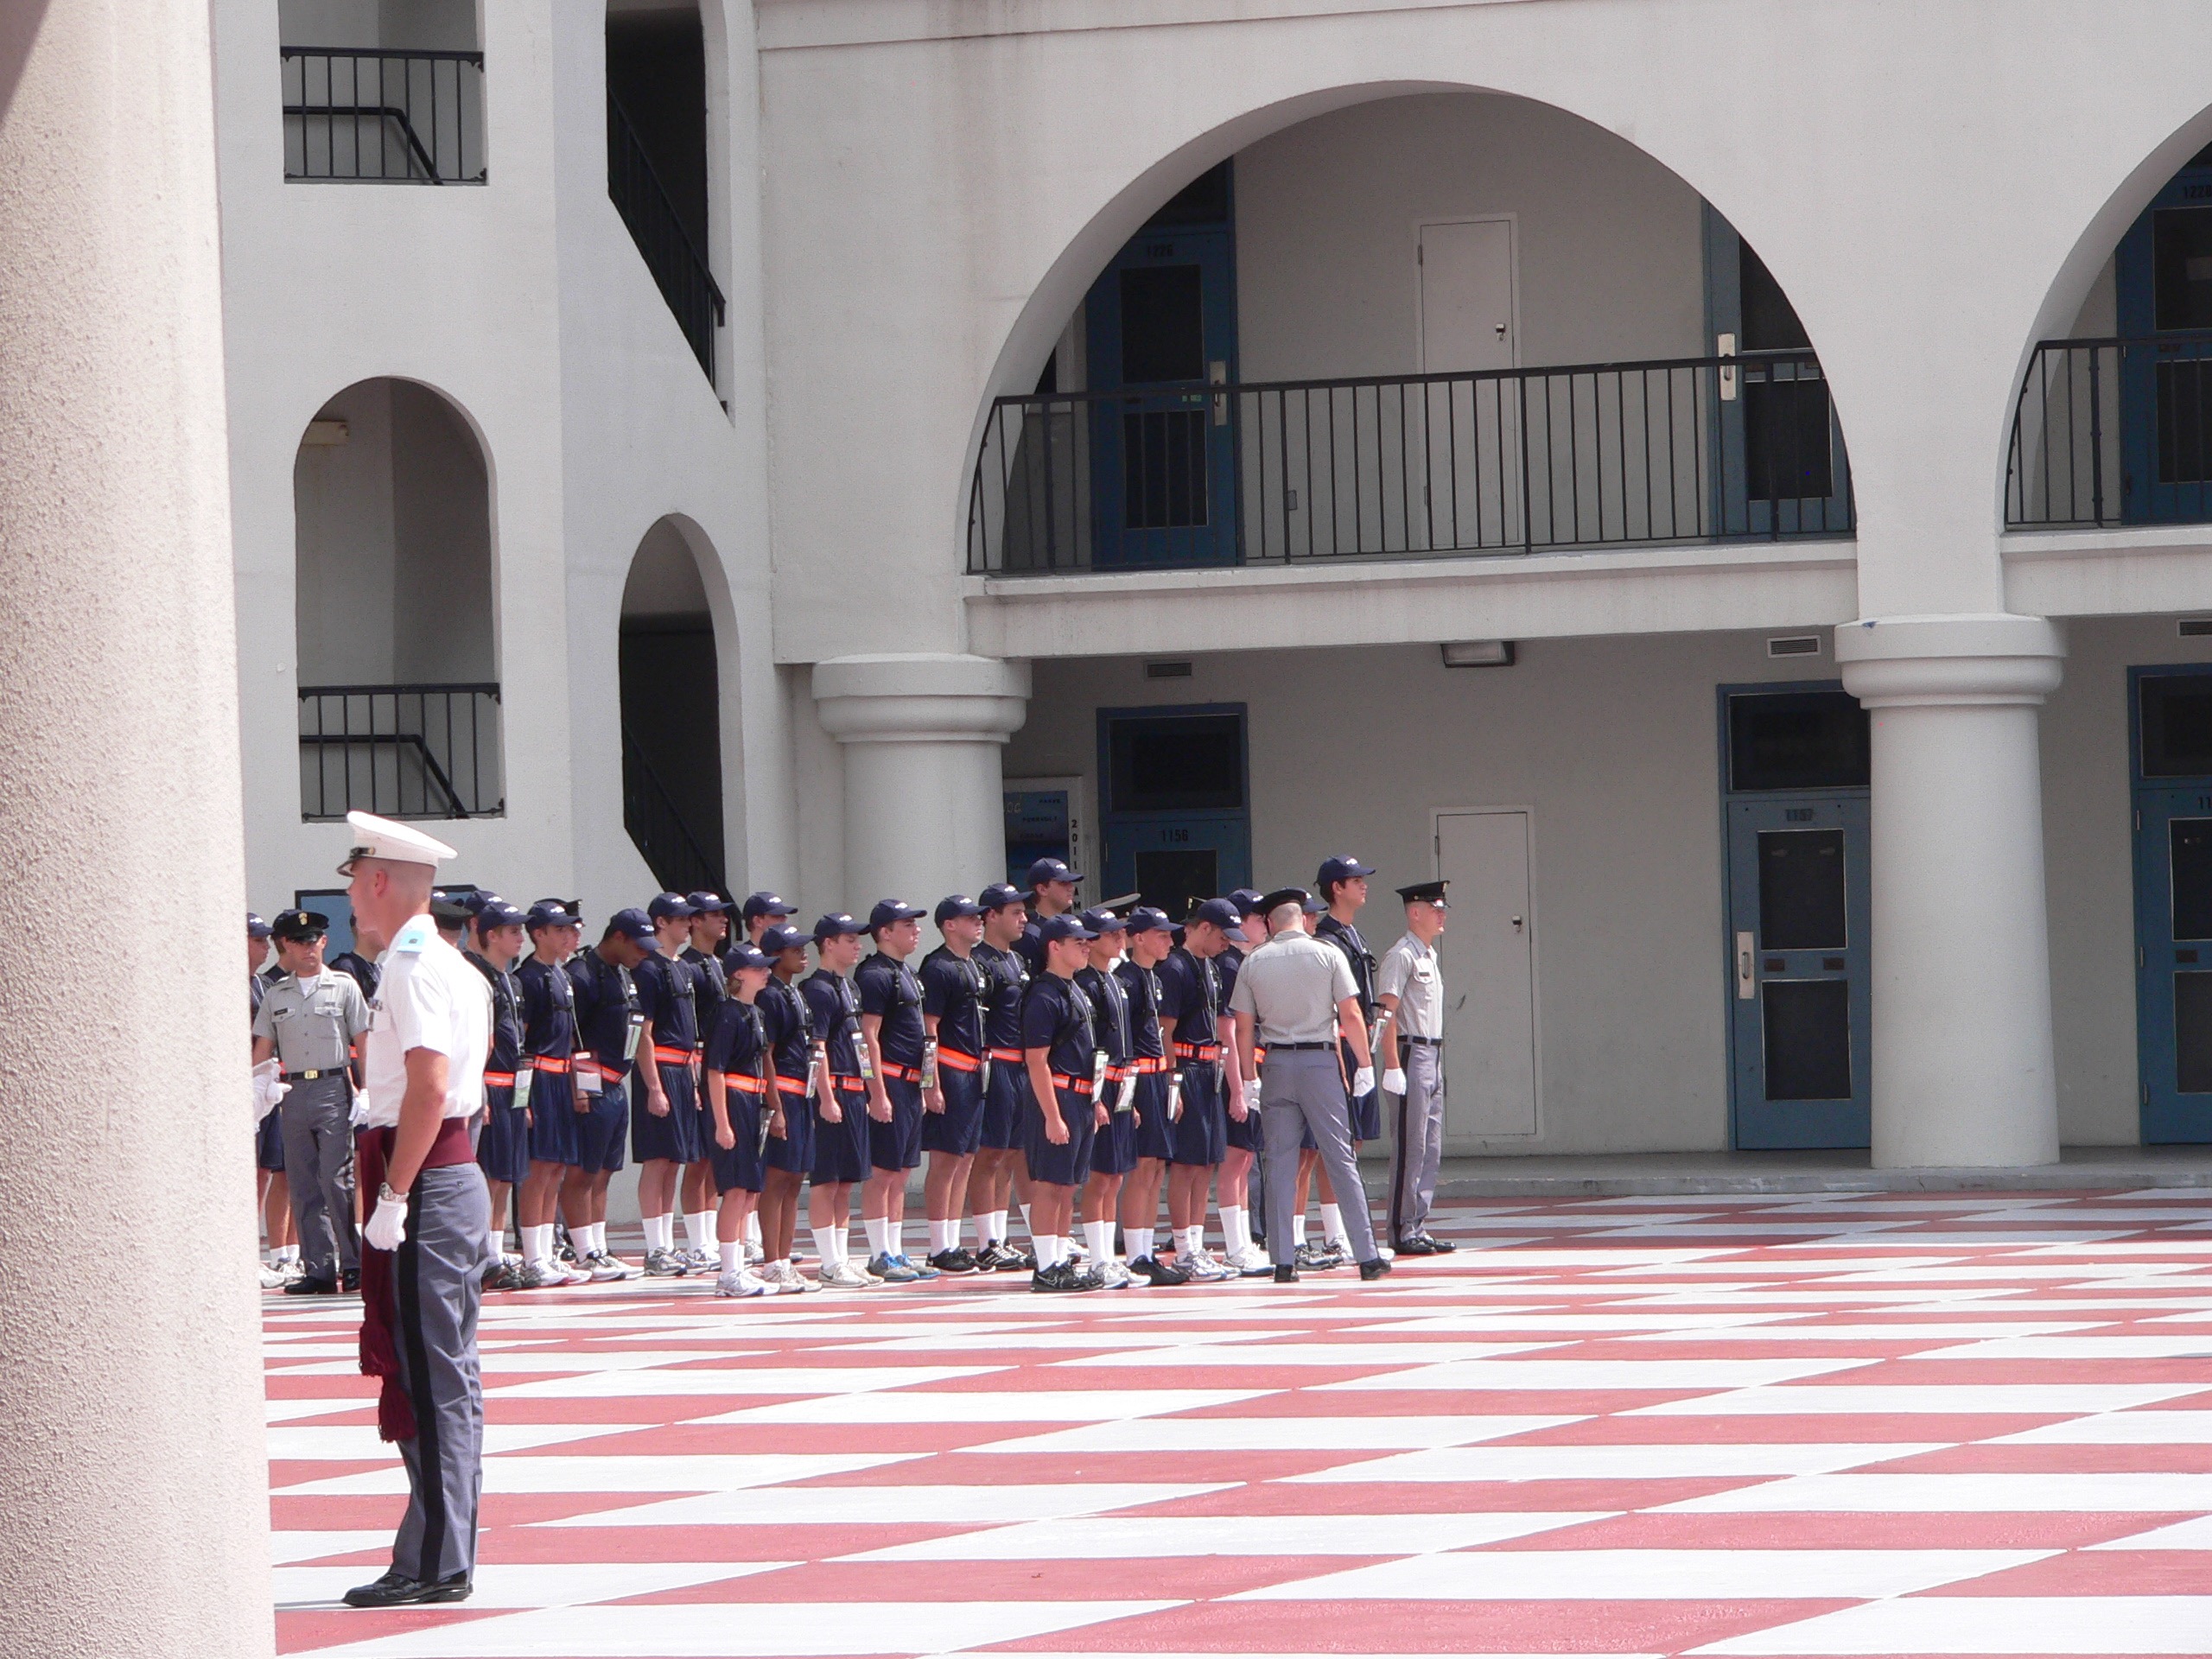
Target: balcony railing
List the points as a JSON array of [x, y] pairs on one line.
[[400, 751], [671, 851], [1506, 461], [395, 118], [679, 264], [2112, 431]]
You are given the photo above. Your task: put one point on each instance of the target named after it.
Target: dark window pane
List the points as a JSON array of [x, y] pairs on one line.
[[2181, 267], [1175, 881], [1204, 200], [1176, 763], [1786, 441], [1770, 320], [2189, 846], [2193, 1033], [1163, 325], [1164, 469], [2177, 726], [2184, 418], [1807, 1039], [1796, 739], [1802, 890]]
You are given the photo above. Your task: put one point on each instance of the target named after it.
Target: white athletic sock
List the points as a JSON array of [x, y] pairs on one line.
[[1051, 1249], [538, 1243], [1233, 1234], [753, 1229], [701, 1228], [828, 1245], [660, 1231], [1136, 1242], [992, 1227], [1333, 1224], [1298, 1231], [287, 1252], [595, 1238], [1027, 1226], [1190, 1240], [733, 1253], [942, 1236], [1098, 1236], [879, 1236]]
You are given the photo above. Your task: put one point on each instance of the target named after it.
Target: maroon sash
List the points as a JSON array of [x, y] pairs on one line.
[[380, 1287]]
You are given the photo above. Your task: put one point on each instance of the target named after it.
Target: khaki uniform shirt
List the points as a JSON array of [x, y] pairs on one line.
[[314, 1029], [1291, 987], [1409, 974]]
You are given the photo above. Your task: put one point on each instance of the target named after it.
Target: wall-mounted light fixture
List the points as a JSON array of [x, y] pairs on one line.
[[1478, 653]]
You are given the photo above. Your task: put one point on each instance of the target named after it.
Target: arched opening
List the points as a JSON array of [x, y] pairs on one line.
[[398, 673], [1438, 323], [672, 716]]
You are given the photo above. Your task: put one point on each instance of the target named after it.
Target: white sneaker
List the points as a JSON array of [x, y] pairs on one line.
[[292, 1267], [739, 1281], [848, 1275], [271, 1278], [1250, 1261], [1113, 1274], [604, 1266], [1205, 1264], [788, 1278], [753, 1253]]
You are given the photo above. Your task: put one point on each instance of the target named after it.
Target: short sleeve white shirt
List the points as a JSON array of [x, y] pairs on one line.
[[429, 997]]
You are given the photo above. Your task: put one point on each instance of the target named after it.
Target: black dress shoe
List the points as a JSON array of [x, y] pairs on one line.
[[350, 1280], [1374, 1269], [306, 1286], [397, 1590], [1286, 1274], [1415, 1244], [1437, 1246]]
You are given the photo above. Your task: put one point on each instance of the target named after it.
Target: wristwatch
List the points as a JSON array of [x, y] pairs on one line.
[[384, 1193]]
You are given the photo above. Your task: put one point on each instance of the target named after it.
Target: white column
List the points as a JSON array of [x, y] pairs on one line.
[[921, 736], [1961, 953], [134, 1515]]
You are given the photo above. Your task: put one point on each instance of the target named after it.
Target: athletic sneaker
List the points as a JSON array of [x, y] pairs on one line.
[[604, 1266], [955, 1261], [292, 1267], [753, 1253], [1061, 1276], [918, 1272], [847, 1275], [1317, 1258], [541, 1275], [739, 1282], [1159, 1273], [1250, 1261], [701, 1261], [1010, 1258], [271, 1278], [892, 1270], [665, 1264], [1203, 1266], [789, 1279], [1112, 1275]]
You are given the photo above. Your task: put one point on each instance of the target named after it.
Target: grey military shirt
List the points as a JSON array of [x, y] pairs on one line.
[[1409, 974], [1291, 987], [314, 1030]]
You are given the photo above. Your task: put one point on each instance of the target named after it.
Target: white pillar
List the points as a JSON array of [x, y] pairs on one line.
[[134, 1513], [921, 736], [1961, 953]]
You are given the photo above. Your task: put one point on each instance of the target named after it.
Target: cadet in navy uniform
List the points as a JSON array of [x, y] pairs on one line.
[[1190, 1006], [1051, 892], [503, 1144], [1114, 1150], [998, 1177], [666, 1125], [741, 1105], [362, 970], [762, 910], [707, 927], [1342, 885], [549, 1023], [841, 1146], [956, 991], [788, 1156], [1060, 1049], [1151, 1140], [308, 1020], [891, 1027], [710, 929], [272, 1192], [609, 1021]]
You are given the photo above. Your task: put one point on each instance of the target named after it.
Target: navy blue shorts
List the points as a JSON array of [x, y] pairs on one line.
[[269, 1142], [1155, 1135], [957, 1130], [675, 1137], [1061, 1166], [1200, 1135], [603, 1132], [898, 1144], [553, 1118], [793, 1149], [503, 1147], [841, 1148], [1114, 1149], [738, 1167], [1006, 1105], [1245, 1134]]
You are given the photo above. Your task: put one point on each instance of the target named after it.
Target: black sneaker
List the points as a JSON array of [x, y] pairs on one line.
[[396, 1589], [1286, 1274], [1061, 1276], [1014, 1260], [1375, 1269], [955, 1260], [1156, 1272]]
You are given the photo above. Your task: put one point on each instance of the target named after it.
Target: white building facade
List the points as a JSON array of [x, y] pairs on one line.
[[1726, 483]]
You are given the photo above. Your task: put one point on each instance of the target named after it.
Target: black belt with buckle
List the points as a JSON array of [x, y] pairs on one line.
[[1301, 1048], [310, 1076], [1425, 1042]]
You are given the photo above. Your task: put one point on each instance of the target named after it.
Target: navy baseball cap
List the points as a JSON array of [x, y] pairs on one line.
[[1050, 869], [1247, 901], [702, 903], [1342, 867], [744, 956], [1102, 920], [888, 911], [498, 913], [1145, 919], [632, 924], [551, 913], [1222, 914], [255, 927], [299, 926], [665, 904], [1054, 928], [777, 939], [765, 904], [957, 904], [836, 923], [1000, 895]]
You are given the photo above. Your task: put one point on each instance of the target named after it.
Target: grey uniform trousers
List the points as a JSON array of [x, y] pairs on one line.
[[315, 1118], [437, 1274], [1419, 1150], [1299, 1091]]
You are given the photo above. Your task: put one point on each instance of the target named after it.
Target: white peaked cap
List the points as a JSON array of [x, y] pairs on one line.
[[375, 837]]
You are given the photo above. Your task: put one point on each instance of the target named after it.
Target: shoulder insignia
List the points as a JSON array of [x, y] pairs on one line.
[[412, 938]]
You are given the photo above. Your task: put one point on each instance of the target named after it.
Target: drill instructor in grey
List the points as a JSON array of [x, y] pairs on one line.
[[1409, 989], [1294, 994]]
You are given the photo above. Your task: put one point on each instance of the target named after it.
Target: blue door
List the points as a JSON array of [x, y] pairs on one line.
[[2163, 275], [1800, 912], [1176, 825], [1161, 327], [2171, 724]]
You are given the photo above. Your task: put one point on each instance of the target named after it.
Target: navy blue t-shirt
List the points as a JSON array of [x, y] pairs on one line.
[[605, 997], [889, 990], [1056, 1017], [1009, 984], [710, 987], [664, 996], [738, 1043], [955, 989], [1189, 995], [1030, 948], [506, 1014], [1109, 1006], [549, 1017], [1141, 987], [790, 1027], [1345, 936], [835, 1013]]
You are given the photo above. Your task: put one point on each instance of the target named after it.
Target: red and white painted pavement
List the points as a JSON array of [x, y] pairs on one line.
[[1836, 1425]]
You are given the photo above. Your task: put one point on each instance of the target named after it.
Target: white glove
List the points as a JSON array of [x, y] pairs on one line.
[[1251, 1094], [1362, 1081], [387, 1228], [1393, 1082], [360, 1114], [268, 1089]]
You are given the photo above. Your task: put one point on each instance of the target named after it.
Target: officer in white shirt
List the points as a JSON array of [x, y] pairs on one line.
[[1409, 990], [423, 1248]]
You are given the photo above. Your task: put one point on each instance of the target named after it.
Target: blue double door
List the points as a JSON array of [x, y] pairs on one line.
[[2170, 731], [1177, 817], [2162, 301]]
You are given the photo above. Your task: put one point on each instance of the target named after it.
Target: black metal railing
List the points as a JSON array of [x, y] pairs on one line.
[[672, 850], [1517, 461], [679, 264], [2112, 431], [401, 751], [399, 118]]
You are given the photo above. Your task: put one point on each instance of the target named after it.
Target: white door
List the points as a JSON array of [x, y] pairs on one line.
[[1466, 296], [1487, 960]]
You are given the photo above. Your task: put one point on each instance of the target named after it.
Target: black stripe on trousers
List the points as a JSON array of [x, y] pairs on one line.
[[1398, 1166], [429, 1462]]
